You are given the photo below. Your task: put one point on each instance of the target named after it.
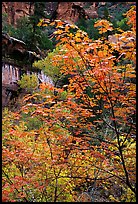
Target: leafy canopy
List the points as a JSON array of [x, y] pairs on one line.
[[85, 142]]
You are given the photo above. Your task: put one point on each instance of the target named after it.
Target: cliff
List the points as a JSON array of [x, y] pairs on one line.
[[16, 61], [15, 10], [68, 11], [73, 11]]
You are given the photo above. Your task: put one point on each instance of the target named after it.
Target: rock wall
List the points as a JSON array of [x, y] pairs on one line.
[[71, 12], [68, 11], [13, 68], [15, 10]]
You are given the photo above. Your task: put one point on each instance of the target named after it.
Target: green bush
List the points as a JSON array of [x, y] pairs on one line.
[[24, 31], [28, 82], [88, 27], [32, 122], [48, 66], [123, 25], [6, 27]]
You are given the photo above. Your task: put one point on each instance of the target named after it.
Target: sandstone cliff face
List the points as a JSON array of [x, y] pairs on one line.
[[15, 10], [71, 12], [67, 11]]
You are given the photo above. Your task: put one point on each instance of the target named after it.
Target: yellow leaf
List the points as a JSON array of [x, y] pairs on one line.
[[67, 29], [78, 34], [100, 53], [58, 32], [78, 40], [59, 24]]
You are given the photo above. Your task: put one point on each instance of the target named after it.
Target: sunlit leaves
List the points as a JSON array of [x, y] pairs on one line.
[[43, 22], [131, 15], [103, 26], [28, 82]]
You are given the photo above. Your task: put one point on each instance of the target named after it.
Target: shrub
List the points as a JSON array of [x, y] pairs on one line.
[[28, 82]]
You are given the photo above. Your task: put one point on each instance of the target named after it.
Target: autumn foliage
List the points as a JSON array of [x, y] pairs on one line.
[[76, 142]]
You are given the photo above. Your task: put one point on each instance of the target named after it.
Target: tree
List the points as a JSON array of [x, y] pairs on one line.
[[86, 141], [28, 31]]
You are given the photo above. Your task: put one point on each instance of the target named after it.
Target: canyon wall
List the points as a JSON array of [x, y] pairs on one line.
[[15, 10], [68, 11]]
